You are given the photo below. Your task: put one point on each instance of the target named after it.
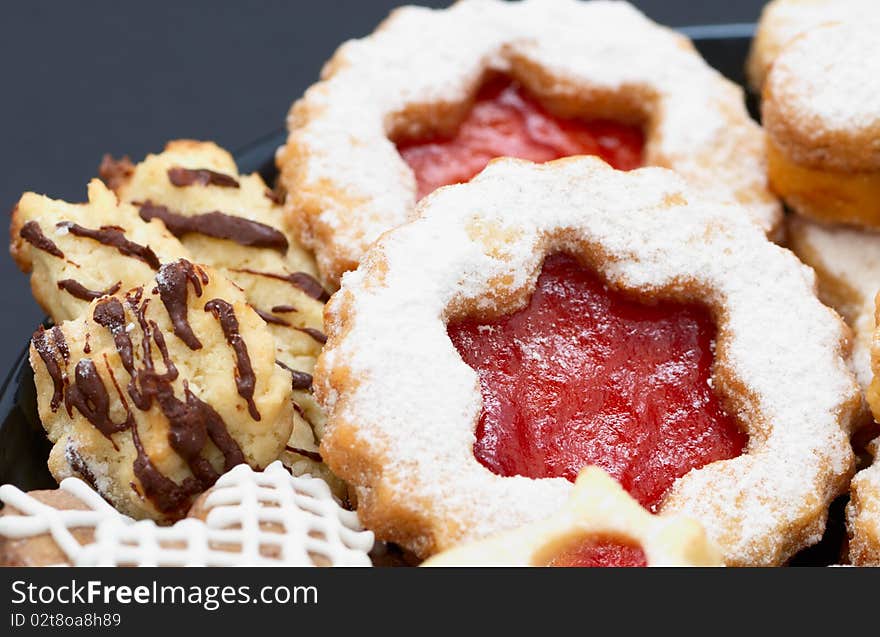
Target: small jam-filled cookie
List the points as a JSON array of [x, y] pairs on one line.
[[600, 525], [847, 265], [49, 528], [247, 518], [821, 109], [783, 20], [863, 514], [234, 223], [155, 392], [542, 318], [433, 95], [80, 252]]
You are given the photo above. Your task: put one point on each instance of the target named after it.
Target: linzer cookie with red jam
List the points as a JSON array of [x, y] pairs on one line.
[[233, 222], [600, 525], [536, 80], [156, 391], [586, 316], [77, 253]]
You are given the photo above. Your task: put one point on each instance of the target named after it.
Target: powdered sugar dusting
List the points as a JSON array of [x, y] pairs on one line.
[[830, 77], [783, 20], [850, 258], [347, 183], [415, 403]]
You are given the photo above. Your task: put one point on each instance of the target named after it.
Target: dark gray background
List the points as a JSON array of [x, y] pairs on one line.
[[84, 78]]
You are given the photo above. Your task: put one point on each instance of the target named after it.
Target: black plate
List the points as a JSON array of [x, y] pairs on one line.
[[23, 445]]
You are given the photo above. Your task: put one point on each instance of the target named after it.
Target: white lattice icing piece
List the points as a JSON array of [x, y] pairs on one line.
[[403, 406], [598, 508], [36, 518], [252, 518], [346, 182]]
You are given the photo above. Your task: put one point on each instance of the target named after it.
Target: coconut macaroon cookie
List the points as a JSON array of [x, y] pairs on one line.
[[579, 315], [155, 392], [234, 223], [783, 20], [600, 525], [821, 110], [432, 95]]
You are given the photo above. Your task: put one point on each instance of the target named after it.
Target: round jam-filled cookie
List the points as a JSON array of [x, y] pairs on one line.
[[247, 518], [783, 20], [154, 393], [433, 95], [80, 252], [234, 223], [49, 528], [847, 265], [542, 318], [821, 110], [600, 525], [863, 514]]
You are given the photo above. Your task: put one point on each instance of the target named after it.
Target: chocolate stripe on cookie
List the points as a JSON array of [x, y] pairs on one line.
[[183, 177], [269, 318], [48, 353], [78, 290], [172, 283], [89, 396], [311, 455], [219, 225], [317, 335], [245, 380], [33, 234], [114, 237], [299, 380], [304, 282]]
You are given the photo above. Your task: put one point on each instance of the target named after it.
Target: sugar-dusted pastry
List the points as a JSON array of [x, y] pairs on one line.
[[847, 265], [599, 525], [234, 223], [154, 392], [79, 252], [542, 318], [821, 110], [248, 517], [783, 20], [50, 527], [432, 95], [863, 514]]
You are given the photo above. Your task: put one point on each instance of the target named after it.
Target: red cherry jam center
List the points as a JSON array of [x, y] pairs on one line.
[[587, 376], [507, 122], [595, 552]]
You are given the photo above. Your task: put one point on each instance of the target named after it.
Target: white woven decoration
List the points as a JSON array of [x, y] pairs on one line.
[[38, 518], [308, 522]]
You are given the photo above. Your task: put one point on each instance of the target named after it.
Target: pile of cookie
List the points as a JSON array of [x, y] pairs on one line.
[[525, 294]]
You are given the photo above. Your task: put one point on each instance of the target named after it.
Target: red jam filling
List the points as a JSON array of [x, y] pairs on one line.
[[506, 122], [601, 552], [586, 376]]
